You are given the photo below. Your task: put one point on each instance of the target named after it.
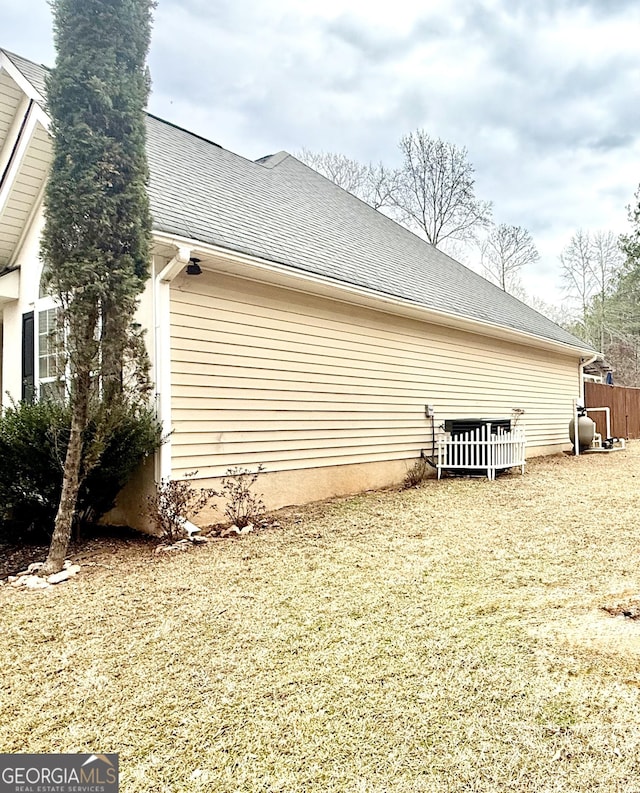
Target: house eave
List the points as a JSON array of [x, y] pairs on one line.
[[251, 267]]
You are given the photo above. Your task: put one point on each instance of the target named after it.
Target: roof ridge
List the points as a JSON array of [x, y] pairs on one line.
[[183, 129], [11, 55], [396, 225], [273, 160], [20, 58]]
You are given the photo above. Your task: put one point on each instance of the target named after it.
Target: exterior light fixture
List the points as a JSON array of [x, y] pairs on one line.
[[193, 268]]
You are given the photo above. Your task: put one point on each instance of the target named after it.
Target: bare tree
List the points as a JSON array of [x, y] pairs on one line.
[[623, 355], [561, 315], [606, 263], [576, 272], [505, 251], [591, 265], [376, 185], [345, 172], [436, 192], [380, 186]]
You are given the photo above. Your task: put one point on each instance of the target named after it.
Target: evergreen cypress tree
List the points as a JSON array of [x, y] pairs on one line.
[[96, 239]]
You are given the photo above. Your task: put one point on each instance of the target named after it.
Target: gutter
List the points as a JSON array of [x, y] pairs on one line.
[[366, 296], [583, 362]]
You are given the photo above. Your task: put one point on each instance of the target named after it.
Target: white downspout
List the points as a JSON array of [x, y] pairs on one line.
[[580, 401], [584, 363], [162, 347]]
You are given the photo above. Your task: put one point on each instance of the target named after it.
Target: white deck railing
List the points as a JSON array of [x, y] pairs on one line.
[[482, 450]]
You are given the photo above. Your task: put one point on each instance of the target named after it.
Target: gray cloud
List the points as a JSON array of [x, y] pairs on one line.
[[613, 141], [379, 45]]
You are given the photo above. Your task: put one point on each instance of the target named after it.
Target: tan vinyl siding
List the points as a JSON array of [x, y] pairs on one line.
[[261, 374], [24, 191], [10, 96]]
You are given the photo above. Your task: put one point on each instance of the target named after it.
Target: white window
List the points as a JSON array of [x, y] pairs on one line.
[[50, 358]]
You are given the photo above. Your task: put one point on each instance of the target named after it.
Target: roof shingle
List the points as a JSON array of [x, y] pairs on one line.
[[281, 210], [34, 72]]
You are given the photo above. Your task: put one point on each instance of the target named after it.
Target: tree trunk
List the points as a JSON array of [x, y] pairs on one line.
[[114, 336], [70, 481]]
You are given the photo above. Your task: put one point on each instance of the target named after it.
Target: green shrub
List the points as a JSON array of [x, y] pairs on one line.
[[133, 435], [33, 445]]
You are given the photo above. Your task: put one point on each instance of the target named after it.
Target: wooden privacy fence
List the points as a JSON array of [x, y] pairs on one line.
[[482, 450], [624, 404]]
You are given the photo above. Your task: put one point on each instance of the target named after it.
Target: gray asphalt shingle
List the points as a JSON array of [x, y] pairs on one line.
[[280, 210], [34, 72]]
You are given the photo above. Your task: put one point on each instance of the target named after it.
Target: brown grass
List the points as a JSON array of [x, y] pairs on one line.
[[446, 638]]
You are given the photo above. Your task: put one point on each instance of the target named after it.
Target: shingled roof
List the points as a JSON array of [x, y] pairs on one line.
[[34, 72], [280, 210]]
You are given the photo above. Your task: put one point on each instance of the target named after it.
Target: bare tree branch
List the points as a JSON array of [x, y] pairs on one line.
[[436, 195], [505, 251], [561, 315], [576, 272], [376, 185], [345, 172]]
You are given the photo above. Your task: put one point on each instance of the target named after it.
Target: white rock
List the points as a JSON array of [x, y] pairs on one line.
[[230, 532], [181, 545], [35, 567], [58, 578], [35, 582], [73, 569], [247, 529]]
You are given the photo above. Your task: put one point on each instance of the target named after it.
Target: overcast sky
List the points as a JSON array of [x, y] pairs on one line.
[[543, 93]]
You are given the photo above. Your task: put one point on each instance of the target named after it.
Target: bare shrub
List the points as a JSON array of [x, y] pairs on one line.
[[172, 503], [418, 472], [243, 507]]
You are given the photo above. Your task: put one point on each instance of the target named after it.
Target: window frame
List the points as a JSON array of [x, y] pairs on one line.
[[52, 385]]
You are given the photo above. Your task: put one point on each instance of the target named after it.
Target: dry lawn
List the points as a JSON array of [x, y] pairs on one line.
[[447, 638]]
